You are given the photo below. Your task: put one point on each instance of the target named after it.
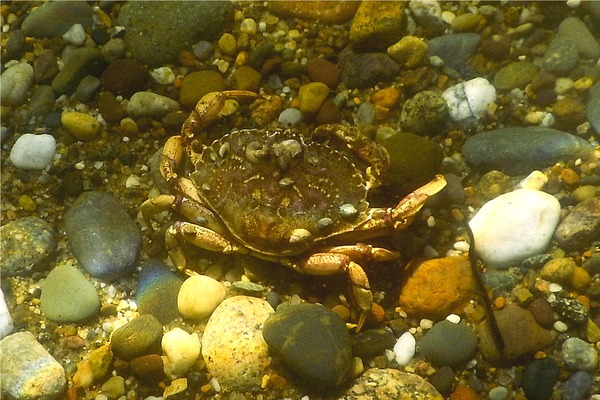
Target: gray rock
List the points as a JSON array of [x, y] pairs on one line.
[[157, 290], [104, 238], [561, 56], [313, 341], [580, 226], [67, 296], [384, 384], [455, 49], [157, 31], [576, 31], [425, 113], [361, 70], [522, 150], [28, 371], [54, 18], [27, 245], [372, 342], [579, 355], [15, 83], [137, 338], [578, 386], [42, 101], [539, 377], [83, 61], [447, 343], [593, 107]]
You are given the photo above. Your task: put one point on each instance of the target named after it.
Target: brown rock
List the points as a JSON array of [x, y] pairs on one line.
[[321, 70], [45, 67], [329, 113], [377, 25], [437, 288], [148, 367], [124, 77], [581, 226], [109, 107], [328, 12], [246, 78], [521, 333], [542, 312]]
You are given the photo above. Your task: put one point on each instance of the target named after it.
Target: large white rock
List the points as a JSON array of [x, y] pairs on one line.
[[33, 151], [468, 101], [515, 226]]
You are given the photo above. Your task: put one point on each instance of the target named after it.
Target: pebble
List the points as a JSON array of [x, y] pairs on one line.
[[227, 44], [558, 270], [542, 312], [570, 310], [409, 52], [45, 67], [290, 117], [578, 386], [199, 83], [15, 83], [361, 70], [33, 151], [181, 351], [149, 32], [6, 321], [54, 19], [520, 331], [520, 150], [450, 278], [68, 296], [312, 341], [539, 378], [321, 70], [448, 343], [593, 107], [561, 56], [163, 75], [443, 379], [148, 104], [467, 22], [405, 348], [365, 114], [27, 246], [109, 107], [424, 114], [233, 347], [80, 63], [114, 387], [157, 290], [87, 88], [376, 25], [113, 49], [138, 337], [383, 384], [82, 126], [311, 96], [372, 342], [455, 50], [515, 75], [498, 393], [246, 78], [581, 226], [202, 50], [199, 295], [514, 226], [28, 371], [75, 35], [579, 355], [100, 361], [414, 160], [102, 235], [124, 76], [336, 12], [468, 101], [576, 31], [428, 14], [149, 367]]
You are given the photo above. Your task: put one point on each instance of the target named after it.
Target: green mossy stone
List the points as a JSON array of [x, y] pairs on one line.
[[139, 337]]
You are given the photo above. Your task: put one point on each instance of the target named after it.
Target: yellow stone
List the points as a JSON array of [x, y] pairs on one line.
[[580, 278], [82, 126], [312, 95]]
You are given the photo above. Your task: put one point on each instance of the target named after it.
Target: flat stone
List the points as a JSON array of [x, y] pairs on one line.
[[27, 245], [157, 291], [81, 62], [103, 236], [232, 344], [138, 337], [514, 226], [577, 354], [312, 341], [515, 75], [53, 19], [28, 371], [521, 150], [581, 226], [148, 104], [67, 296]]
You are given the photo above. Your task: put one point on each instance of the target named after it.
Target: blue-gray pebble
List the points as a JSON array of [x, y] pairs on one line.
[[593, 107], [312, 341], [157, 291], [104, 238], [68, 296], [578, 386], [455, 49], [520, 150], [447, 343], [54, 18], [539, 377]]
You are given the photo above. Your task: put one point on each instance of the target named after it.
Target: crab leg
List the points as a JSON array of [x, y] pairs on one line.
[[405, 211]]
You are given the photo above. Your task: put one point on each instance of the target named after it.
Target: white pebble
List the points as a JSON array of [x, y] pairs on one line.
[[560, 326], [6, 322], [181, 352], [425, 323], [15, 83], [33, 151], [163, 75], [554, 287], [248, 26], [455, 319], [290, 117], [515, 226], [147, 104], [461, 245], [75, 35], [132, 182], [404, 349], [199, 296], [534, 181], [468, 101]]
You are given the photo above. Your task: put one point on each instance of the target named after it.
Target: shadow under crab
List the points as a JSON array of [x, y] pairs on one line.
[[281, 196]]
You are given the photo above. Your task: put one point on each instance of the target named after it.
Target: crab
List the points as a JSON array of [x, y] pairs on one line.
[[281, 196]]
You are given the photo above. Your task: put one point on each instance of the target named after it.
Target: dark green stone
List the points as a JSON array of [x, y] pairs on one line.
[[539, 378], [313, 341], [447, 343], [137, 338], [373, 342]]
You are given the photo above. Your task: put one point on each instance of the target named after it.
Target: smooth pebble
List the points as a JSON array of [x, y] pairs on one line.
[[404, 349], [199, 295], [447, 343], [15, 83], [578, 386], [6, 322], [290, 117], [539, 377], [181, 351], [75, 35], [147, 104], [514, 226], [81, 125], [579, 355], [156, 291], [33, 152], [136, 338]]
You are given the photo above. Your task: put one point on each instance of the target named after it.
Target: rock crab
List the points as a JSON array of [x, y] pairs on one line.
[[280, 196]]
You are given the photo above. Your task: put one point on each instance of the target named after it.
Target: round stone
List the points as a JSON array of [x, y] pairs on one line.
[[199, 295], [82, 126], [181, 350], [16, 82], [136, 338], [33, 152], [447, 343], [539, 377], [380, 384], [157, 290], [312, 95], [579, 355]]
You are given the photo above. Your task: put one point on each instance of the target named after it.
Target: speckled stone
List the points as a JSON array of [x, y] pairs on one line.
[[27, 245], [384, 384], [67, 296], [580, 226], [157, 290], [579, 355], [425, 113], [103, 236], [16, 81], [232, 344], [28, 371], [319, 351], [447, 343], [150, 33], [138, 337]]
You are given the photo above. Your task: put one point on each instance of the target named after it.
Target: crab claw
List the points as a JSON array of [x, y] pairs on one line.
[[405, 211]]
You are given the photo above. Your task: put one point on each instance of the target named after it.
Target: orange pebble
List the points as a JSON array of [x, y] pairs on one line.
[[499, 302], [464, 393], [386, 98], [583, 299], [569, 176], [580, 278]]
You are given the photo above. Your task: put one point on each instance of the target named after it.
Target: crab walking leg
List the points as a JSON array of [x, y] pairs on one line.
[[197, 235], [171, 157]]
